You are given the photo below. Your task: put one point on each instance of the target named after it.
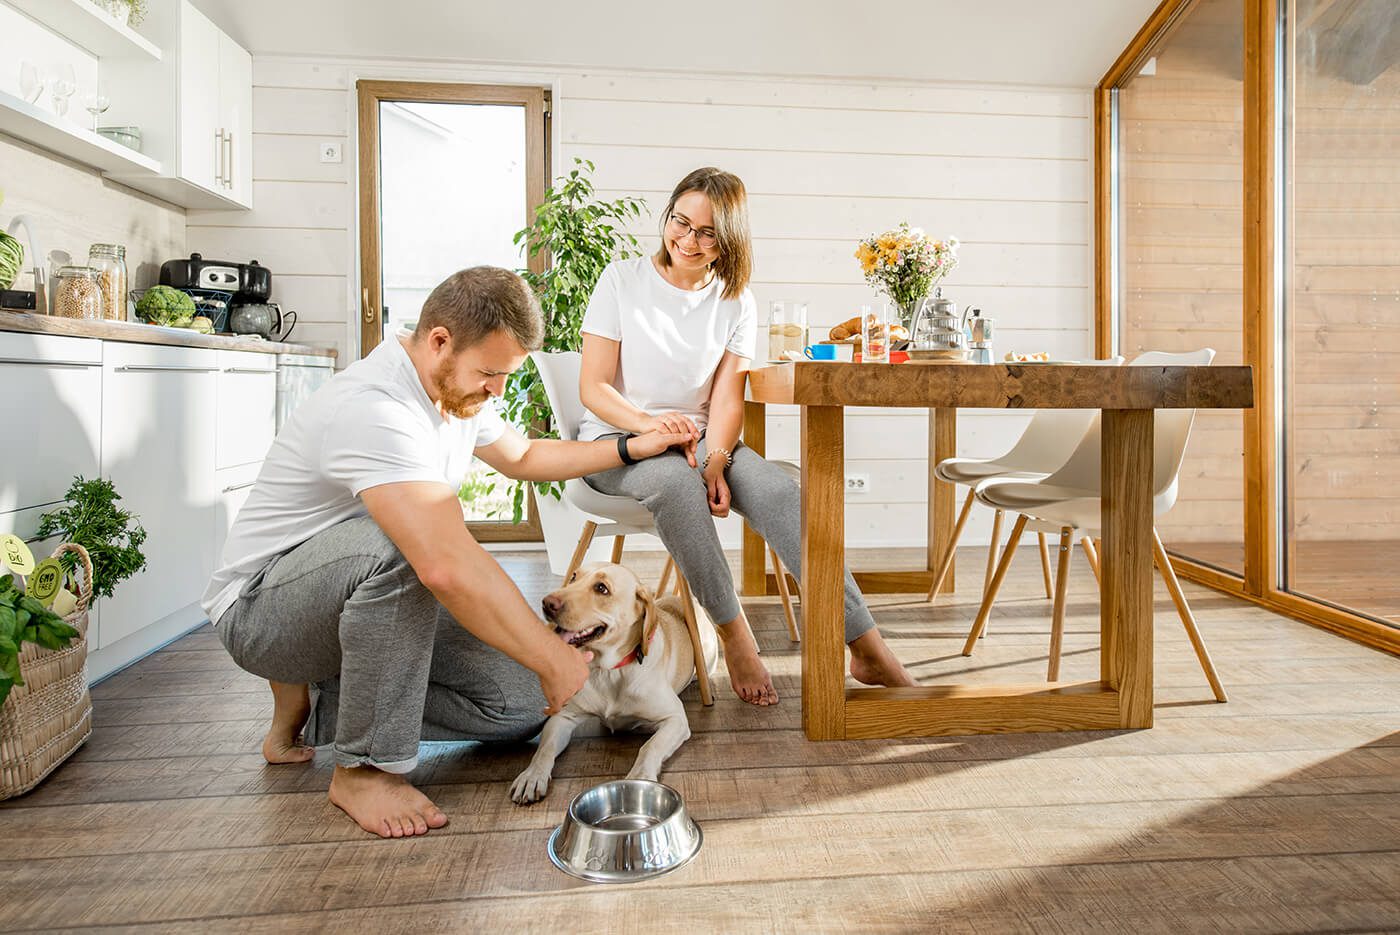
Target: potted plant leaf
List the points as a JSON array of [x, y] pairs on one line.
[[579, 236]]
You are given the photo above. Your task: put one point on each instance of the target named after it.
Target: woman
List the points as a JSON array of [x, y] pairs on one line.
[[666, 340]]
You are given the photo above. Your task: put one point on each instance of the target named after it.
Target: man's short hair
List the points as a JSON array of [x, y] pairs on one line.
[[474, 303]]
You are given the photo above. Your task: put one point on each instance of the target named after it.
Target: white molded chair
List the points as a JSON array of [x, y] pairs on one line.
[[1068, 502], [618, 517], [1045, 445]]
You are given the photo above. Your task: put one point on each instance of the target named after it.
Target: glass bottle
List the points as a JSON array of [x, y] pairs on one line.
[[76, 293], [109, 259]]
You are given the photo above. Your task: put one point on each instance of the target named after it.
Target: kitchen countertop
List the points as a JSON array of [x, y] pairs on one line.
[[138, 333]]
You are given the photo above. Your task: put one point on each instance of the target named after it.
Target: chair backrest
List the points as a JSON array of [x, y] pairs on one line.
[[559, 372], [1171, 431], [1051, 436]]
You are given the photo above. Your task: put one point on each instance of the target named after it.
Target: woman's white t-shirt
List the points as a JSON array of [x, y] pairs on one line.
[[671, 339]]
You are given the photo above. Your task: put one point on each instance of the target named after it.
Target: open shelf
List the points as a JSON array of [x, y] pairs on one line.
[[82, 23], [34, 125]]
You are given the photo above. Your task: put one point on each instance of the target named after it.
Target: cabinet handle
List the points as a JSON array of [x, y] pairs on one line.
[[219, 156], [232, 487], [246, 370], [228, 163], [153, 368], [47, 363]]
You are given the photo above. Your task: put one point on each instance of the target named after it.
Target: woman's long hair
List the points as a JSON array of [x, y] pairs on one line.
[[730, 205]]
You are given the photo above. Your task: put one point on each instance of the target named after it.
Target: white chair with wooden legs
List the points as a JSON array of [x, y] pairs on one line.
[[618, 517], [1068, 503], [1047, 443]]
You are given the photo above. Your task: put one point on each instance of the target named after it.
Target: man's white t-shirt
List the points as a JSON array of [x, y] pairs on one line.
[[372, 424], [672, 339]]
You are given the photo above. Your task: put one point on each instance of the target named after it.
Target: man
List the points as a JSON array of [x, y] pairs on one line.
[[350, 566]]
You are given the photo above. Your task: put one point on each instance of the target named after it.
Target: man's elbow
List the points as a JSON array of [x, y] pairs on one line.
[[444, 579]]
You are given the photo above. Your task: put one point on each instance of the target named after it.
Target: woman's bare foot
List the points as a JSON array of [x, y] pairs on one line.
[[383, 803], [747, 673], [872, 663], [291, 706]]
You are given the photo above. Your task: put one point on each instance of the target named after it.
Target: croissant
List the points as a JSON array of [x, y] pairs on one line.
[[846, 329]]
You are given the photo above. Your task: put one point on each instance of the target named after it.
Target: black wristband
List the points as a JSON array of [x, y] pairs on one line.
[[622, 449]]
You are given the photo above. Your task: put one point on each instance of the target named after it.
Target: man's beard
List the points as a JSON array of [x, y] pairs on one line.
[[452, 399]]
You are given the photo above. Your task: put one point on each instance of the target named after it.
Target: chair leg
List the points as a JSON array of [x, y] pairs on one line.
[[1057, 629], [666, 575], [617, 549], [1092, 555], [995, 585], [585, 539], [692, 624], [992, 551], [1045, 565], [947, 561], [780, 573], [1183, 610]]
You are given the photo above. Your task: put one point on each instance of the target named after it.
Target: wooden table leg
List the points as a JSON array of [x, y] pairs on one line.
[[754, 580], [942, 443], [823, 558], [1126, 561]]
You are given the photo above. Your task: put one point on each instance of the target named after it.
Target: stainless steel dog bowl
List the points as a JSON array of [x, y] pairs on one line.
[[624, 831]]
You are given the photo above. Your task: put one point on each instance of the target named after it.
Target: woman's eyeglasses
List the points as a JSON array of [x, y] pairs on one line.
[[704, 236]]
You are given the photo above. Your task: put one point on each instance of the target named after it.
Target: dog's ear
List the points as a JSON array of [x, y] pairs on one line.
[[647, 614]]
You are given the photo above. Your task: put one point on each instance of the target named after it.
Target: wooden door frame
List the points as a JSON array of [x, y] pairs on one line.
[[370, 94], [1260, 582]]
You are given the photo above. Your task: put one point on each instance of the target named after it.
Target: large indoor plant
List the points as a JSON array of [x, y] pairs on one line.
[[578, 236]]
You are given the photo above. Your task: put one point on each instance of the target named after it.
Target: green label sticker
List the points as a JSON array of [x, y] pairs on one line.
[[15, 554], [45, 581]]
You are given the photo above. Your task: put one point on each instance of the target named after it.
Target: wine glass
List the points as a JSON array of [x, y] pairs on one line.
[[64, 84], [31, 82], [96, 102]]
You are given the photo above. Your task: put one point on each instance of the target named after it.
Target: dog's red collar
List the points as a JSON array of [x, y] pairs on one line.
[[636, 653]]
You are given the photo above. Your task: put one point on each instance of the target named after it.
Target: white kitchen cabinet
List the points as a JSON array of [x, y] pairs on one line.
[[234, 485], [158, 444], [247, 407], [52, 392], [197, 101], [236, 119]]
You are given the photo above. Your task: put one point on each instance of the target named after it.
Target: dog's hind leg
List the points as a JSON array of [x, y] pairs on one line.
[[672, 730], [533, 783]]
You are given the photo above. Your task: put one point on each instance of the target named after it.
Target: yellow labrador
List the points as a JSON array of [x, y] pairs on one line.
[[642, 659]]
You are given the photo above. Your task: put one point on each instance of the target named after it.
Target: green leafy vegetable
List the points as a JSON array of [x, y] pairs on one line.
[[111, 535], [25, 620], [165, 305]]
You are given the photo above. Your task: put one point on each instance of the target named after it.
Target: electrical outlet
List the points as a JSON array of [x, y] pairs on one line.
[[857, 483], [330, 151]]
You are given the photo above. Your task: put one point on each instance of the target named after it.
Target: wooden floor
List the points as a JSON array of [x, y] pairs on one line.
[[1279, 811], [1357, 576]]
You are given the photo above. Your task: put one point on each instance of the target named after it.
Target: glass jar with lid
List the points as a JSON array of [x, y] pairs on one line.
[[109, 259], [76, 293]]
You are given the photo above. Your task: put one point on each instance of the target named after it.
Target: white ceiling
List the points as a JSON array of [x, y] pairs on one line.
[[1068, 43]]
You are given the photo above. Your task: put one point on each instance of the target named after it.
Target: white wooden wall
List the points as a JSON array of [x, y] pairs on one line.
[[1006, 170]]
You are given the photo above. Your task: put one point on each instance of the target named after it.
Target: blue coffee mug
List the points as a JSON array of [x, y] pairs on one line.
[[820, 352]]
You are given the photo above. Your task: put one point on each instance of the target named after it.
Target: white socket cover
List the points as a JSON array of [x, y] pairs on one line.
[[330, 150]]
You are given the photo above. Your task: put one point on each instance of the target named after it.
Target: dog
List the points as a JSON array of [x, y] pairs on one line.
[[642, 660]]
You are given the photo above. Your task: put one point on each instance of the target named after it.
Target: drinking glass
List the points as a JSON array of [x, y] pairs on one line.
[[787, 330], [96, 102], [875, 333], [64, 84], [31, 82]]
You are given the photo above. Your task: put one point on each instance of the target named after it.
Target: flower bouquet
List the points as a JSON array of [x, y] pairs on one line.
[[905, 264]]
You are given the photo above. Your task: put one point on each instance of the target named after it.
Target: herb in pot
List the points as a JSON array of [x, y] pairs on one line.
[[25, 620]]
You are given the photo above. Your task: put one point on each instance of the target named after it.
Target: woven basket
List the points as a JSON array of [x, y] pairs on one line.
[[43, 721]]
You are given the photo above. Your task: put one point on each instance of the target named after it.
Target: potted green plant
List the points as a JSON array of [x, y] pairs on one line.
[[579, 236], [112, 536]]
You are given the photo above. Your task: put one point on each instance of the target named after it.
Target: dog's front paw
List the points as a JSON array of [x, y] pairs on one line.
[[529, 786]]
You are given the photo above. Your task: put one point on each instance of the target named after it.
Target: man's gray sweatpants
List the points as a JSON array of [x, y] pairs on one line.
[[761, 492], [390, 666]]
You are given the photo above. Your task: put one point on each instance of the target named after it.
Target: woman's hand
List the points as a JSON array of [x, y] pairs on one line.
[[652, 444], [717, 488], [674, 423]]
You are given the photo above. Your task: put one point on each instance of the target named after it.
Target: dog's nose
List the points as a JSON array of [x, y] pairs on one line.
[[552, 604]]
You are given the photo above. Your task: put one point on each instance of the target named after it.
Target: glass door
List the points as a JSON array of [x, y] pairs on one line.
[[448, 174]]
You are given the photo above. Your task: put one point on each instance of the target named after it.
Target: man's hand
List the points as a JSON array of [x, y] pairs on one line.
[[717, 488], [562, 675], [653, 443]]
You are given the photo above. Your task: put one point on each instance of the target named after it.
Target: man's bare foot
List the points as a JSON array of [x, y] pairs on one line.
[[872, 663], [291, 706], [383, 803], [747, 673]]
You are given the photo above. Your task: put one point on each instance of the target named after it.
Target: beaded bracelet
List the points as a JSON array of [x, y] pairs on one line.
[[728, 458]]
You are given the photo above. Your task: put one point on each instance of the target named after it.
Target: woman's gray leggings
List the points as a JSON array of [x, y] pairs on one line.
[[761, 492]]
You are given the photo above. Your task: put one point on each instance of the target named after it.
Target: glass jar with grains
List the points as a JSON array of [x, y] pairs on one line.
[[109, 259], [76, 293]]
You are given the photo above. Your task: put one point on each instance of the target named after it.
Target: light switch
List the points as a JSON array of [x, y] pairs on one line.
[[330, 151]]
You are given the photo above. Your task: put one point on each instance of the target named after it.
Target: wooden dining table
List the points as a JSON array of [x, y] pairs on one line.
[[1128, 396]]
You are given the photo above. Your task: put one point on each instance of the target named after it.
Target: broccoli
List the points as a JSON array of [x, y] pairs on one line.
[[164, 305]]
